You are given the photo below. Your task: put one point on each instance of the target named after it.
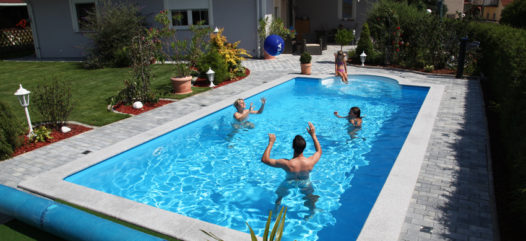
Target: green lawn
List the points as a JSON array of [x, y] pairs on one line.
[[15, 230], [90, 88]]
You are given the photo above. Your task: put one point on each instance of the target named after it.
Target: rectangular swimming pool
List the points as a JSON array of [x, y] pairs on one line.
[[209, 169]]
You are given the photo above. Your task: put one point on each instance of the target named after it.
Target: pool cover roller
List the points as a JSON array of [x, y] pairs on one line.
[[61, 220]]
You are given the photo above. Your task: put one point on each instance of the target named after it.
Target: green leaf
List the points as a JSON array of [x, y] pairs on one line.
[[281, 226], [252, 234], [267, 226], [276, 224]]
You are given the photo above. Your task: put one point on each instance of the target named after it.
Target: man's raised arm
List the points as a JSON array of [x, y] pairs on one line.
[[317, 155], [266, 155]]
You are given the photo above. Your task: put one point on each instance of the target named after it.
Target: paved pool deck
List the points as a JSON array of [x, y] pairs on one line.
[[452, 199]]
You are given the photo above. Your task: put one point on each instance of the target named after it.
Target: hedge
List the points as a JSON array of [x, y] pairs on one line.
[[503, 63], [10, 131]]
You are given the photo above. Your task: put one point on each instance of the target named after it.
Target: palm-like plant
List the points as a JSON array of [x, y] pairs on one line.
[[279, 225]]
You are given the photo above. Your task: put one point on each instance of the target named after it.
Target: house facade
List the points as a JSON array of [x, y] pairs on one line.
[[58, 32]]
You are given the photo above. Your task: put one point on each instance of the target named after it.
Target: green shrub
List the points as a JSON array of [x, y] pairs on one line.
[[111, 29], [409, 36], [514, 14], [41, 134], [503, 62], [213, 59], [52, 99], [365, 45], [429, 68], [10, 131], [198, 45], [344, 37], [305, 58], [278, 28], [138, 88]]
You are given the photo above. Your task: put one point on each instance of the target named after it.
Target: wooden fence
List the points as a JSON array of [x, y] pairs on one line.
[[14, 40]]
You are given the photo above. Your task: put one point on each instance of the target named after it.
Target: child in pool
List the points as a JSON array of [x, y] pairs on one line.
[[340, 67], [353, 117]]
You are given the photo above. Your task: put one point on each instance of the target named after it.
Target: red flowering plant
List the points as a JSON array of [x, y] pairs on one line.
[[385, 29]]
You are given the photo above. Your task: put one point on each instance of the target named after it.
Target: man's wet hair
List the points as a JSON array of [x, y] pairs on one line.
[[298, 144]]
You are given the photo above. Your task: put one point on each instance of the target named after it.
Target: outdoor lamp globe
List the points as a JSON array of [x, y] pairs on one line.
[[23, 98], [362, 57], [210, 73]]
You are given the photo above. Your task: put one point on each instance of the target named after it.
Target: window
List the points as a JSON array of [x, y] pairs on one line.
[[179, 18], [83, 10], [346, 9], [200, 15], [80, 9], [189, 12], [189, 17]]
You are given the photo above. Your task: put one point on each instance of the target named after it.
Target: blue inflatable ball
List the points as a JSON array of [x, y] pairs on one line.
[[274, 45]]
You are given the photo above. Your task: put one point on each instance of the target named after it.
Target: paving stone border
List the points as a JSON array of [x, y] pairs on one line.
[[452, 199]]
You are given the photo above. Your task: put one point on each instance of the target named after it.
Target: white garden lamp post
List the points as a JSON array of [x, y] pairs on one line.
[[216, 30], [362, 57], [23, 97], [210, 73]]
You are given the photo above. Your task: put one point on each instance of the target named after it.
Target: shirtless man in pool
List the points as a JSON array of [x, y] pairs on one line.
[[298, 168]]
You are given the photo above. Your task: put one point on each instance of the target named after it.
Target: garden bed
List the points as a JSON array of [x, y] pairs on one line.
[[128, 109], [399, 68], [57, 136], [203, 82]]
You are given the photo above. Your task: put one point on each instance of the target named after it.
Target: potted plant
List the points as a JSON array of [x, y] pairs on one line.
[[182, 79], [305, 59], [181, 82]]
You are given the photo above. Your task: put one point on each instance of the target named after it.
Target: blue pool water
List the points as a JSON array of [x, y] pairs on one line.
[[211, 171]]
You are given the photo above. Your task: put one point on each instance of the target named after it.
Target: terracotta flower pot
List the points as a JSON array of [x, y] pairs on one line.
[[182, 85], [306, 68], [267, 55]]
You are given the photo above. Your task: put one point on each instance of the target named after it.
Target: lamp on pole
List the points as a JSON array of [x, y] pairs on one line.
[[362, 57], [210, 73], [23, 98], [216, 30]]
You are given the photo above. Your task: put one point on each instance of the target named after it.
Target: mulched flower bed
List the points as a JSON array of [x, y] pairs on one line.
[[436, 71], [57, 136], [203, 82], [128, 109]]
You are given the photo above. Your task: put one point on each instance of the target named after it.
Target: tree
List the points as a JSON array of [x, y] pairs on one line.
[[364, 43], [514, 14], [111, 29], [343, 37]]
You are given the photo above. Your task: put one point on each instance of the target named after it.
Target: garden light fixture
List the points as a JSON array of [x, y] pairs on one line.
[[210, 73], [216, 30], [23, 98], [362, 57]]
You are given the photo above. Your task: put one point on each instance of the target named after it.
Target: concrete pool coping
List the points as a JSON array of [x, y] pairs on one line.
[[387, 214]]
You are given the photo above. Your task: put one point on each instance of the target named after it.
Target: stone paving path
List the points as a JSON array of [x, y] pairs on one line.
[[453, 196]]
